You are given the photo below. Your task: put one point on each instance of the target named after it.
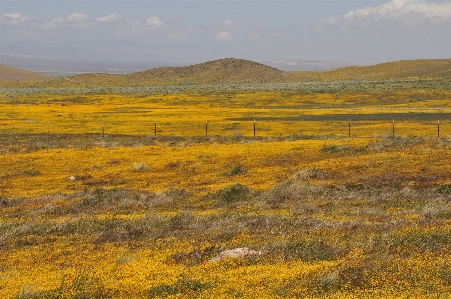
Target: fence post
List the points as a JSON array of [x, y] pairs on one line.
[[349, 128], [393, 128], [254, 127], [438, 128]]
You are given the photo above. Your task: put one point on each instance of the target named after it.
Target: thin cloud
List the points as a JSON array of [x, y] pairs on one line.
[[77, 18], [226, 25], [154, 23], [223, 36], [407, 13], [14, 19], [53, 24], [114, 17], [220, 30], [82, 21]]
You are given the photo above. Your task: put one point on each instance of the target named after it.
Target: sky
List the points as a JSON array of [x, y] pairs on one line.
[[359, 32]]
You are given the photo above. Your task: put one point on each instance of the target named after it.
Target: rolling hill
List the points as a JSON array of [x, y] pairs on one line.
[[10, 74], [235, 71], [396, 69], [222, 71]]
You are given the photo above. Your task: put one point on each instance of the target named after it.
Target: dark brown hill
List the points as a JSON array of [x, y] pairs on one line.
[[10, 74], [222, 71]]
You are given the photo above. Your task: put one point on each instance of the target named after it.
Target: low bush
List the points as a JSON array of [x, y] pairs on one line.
[[183, 286]]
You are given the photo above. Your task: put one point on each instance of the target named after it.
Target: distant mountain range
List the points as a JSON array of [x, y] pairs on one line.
[[306, 65], [62, 59], [236, 71], [70, 67]]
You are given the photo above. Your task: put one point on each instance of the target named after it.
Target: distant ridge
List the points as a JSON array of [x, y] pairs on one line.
[[236, 71], [10, 74], [306, 65]]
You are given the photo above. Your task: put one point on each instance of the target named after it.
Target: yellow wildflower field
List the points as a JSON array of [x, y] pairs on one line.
[[274, 113], [126, 214]]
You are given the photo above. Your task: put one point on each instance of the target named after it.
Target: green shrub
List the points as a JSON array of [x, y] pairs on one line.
[[237, 170], [181, 286], [32, 172], [4, 201], [444, 189], [232, 194]]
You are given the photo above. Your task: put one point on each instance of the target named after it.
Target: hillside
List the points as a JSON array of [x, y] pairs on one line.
[[222, 71], [232, 71], [10, 74], [396, 69]]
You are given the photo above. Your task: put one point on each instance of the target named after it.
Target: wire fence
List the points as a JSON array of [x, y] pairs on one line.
[[256, 128]]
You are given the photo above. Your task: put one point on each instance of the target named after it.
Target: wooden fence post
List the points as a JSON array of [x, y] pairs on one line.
[[438, 128], [349, 128], [254, 127], [155, 127], [393, 128]]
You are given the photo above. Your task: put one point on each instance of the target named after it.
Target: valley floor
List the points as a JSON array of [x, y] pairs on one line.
[[130, 192], [141, 217]]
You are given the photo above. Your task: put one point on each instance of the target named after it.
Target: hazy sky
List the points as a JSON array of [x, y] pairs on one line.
[[359, 32]]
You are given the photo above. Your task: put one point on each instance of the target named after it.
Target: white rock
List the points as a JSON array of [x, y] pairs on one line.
[[236, 253], [71, 178]]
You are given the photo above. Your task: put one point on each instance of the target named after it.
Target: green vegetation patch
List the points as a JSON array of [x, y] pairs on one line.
[[182, 286]]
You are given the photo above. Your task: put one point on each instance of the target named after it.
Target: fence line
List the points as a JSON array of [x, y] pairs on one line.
[[349, 128]]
